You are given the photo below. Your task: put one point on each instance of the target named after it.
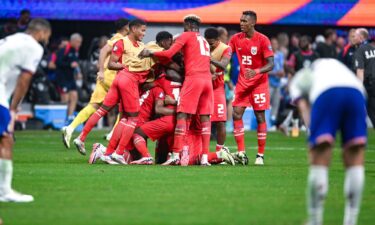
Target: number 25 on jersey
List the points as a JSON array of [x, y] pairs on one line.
[[246, 60]]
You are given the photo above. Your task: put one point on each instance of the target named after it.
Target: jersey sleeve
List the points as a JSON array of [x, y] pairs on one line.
[[227, 53], [359, 59], [301, 84], [266, 48], [32, 59], [158, 93], [118, 48], [231, 44]]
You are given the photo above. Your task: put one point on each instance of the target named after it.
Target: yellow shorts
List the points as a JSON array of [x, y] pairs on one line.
[[102, 88]]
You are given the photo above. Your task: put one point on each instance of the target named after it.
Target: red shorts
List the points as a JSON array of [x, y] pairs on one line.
[[196, 96], [124, 89], [257, 96], [220, 106], [155, 129]]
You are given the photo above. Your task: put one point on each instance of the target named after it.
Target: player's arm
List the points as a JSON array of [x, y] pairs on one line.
[[21, 89], [167, 54], [361, 74], [304, 110], [162, 110], [117, 51], [104, 53], [360, 64], [250, 73], [170, 101], [172, 75], [224, 61]]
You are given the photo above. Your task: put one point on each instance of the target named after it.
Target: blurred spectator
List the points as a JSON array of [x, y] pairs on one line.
[[223, 35], [327, 49], [55, 47], [340, 45], [365, 69], [68, 71], [94, 53], [283, 40], [347, 54], [294, 43], [274, 78], [8, 28], [23, 20]]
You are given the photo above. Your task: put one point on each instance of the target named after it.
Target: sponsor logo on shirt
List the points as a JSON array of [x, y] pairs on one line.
[[254, 50]]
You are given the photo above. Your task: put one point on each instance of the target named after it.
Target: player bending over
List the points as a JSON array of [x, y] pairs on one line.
[[337, 102], [20, 55], [103, 83], [254, 52]]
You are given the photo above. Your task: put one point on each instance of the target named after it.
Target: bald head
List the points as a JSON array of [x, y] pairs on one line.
[[362, 34], [76, 40]]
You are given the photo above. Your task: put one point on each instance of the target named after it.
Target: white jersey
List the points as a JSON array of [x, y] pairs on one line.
[[323, 74], [18, 52]]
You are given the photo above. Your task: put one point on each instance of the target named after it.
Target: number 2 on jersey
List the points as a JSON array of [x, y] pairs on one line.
[[203, 45]]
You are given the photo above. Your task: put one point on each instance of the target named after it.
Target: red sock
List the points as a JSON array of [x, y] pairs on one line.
[[239, 134], [212, 157], [140, 145], [91, 122], [219, 147], [206, 135], [127, 134], [179, 135], [262, 136], [115, 139]]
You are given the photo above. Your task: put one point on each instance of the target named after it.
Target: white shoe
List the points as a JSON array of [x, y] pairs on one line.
[[80, 146], [66, 136], [259, 160], [118, 158], [226, 157], [204, 160], [173, 160], [241, 158], [96, 153], [143, 161], [14, 196], [107, 159]]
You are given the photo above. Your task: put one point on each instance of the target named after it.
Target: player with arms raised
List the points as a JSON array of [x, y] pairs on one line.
[[255, 55], [20, 55], [196, 95]]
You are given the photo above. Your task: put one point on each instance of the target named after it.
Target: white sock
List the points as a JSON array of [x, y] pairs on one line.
[[353, 187], [204, 158], [6, 172], [175, 155], [317, 188]]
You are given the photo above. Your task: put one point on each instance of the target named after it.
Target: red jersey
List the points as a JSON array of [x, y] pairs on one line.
[[252, 53], [170, 88], [147, 102], [196, 53]]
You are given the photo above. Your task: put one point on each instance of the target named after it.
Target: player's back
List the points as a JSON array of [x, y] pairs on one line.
[[196, 53], [18, 52]]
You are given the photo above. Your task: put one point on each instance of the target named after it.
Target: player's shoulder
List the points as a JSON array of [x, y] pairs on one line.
[[261, 36], [238, 36]]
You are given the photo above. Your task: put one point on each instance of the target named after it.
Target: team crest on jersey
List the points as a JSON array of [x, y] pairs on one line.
[[254, 50], [161, 95]]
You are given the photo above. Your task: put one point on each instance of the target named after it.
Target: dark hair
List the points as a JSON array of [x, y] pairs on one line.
[[121, 23], [211, 33], [136, 23], [328, 33], [307, 38], [193, 20], [251, 14], [163, 35], [24, 11], [38, 24]]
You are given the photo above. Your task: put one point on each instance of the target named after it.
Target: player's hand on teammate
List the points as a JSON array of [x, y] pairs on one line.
[[169, 100], [145, 53], [249, 73], [100, 76]]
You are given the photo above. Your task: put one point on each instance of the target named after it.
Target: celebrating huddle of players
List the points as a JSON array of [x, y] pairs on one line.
[[170, 91]]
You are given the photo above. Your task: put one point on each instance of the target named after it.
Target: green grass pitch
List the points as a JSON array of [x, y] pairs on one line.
[[67, 190]]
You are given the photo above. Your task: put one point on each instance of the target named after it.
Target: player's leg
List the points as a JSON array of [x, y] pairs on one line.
[[239, 135], [128, 90], [140, 143], [354, 137], [111, 99], [260, 100], [7, 194], [206, 134], [73, 99], [179, 139], [219, 117]]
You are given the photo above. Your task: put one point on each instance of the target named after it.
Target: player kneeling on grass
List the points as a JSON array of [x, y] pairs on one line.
[[20, 55], [337, 102]]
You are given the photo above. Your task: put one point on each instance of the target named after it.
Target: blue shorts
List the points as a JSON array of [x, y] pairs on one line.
[[4, 120], [66, 86], [341, 109]]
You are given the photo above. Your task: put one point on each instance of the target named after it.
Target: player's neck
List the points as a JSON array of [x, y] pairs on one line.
[[251, 33], [132, 38]]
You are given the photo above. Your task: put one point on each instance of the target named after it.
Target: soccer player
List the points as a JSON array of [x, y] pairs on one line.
[[103, 83], [220, 58], [254, 52], [337, 102], [20, 55], [196, 95]]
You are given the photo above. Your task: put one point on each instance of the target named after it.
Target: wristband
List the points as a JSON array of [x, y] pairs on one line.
[[257, 71]]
